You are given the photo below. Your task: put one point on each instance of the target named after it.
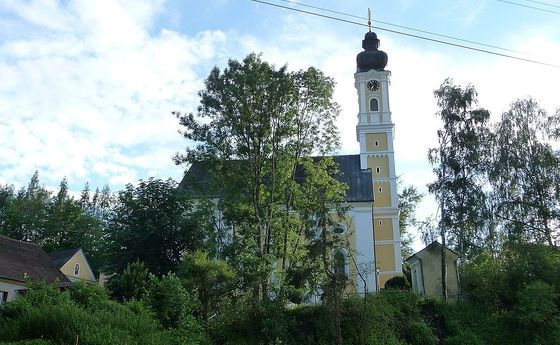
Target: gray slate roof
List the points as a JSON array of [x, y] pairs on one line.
[[198, 178], [61, 257], [434, 246]]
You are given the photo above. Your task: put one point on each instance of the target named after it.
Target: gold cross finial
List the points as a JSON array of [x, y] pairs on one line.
[[369, 19]]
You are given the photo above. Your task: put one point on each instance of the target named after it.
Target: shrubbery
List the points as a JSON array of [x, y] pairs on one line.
[[512, 298], [389, 317], [85, 311], [508, 299]]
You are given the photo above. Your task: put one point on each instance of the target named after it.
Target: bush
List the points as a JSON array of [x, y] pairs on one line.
[[132, 284], [537, 313], [211, 282], [46, 313], [249, 322], [88, 296], [397, 283], [169, 301], [464, 338], [496, 281], [29, 342]]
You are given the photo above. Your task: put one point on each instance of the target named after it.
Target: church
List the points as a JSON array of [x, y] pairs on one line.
[[372, 219], [376, 222]]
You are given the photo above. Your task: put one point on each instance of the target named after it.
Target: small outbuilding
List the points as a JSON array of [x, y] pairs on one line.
[[425, 271]]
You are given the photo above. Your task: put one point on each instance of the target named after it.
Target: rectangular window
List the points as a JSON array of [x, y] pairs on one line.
[[3, 296]]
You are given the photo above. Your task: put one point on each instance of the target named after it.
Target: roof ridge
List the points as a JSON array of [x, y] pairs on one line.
[[20, 241]]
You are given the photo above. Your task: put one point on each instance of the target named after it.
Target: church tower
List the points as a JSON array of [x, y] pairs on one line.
[[375, 132]]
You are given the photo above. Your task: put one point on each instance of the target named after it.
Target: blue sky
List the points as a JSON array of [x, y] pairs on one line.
[[87, 87]]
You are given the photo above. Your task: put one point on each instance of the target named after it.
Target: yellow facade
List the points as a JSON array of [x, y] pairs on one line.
[[383, 229], [379, 166], [385, 255], [84, 272], [384, 277], [376, 142], [382, 194]]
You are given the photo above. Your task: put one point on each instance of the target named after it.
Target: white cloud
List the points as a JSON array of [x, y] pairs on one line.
[[79, 96]]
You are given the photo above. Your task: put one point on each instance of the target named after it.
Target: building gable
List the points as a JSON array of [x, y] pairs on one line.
[[76, 267]]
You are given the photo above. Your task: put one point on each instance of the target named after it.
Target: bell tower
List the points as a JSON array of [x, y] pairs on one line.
[[375, 133]]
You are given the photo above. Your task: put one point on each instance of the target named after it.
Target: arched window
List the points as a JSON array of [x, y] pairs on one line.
[[77, 269], [340, 266], [373, 104]]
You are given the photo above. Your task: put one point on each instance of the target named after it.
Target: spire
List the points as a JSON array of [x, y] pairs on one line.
[[369, 19], [371, 57]]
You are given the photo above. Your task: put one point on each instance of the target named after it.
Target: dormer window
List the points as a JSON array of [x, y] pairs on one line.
[[373, 104], [77, 269]]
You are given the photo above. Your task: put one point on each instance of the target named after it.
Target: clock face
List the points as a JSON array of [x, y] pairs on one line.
[[373, 85]]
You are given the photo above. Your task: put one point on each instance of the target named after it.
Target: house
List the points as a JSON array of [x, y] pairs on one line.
[[74, 265], [425, 271], [373, 218], [22, 261]]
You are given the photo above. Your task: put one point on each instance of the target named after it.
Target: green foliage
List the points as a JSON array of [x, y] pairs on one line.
[[525, 174], [464, 338], [459, 162], [211, 281], [511, 298], [397, 282], [151, 223], [38, 293], [391, 317], [132, 284], [250, 322], [538, 313], [497, 281], [87, 296], [409, 198], [46, 313], [169, 301], [255, 129], [54, 222], [28, 342]]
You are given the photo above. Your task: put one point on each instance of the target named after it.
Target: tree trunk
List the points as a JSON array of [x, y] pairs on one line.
[[337, 311], [443, 260]]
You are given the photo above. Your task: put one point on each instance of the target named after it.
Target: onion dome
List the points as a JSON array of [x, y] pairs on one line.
[[371, 57]]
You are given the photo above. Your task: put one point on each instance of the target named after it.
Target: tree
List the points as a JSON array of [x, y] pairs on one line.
[[25, 213], [133, 283], [409, 198], [152, 223], [525, 174], [459, 164], [255, 126], [67, 226], [169, 300], [212, 281]]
